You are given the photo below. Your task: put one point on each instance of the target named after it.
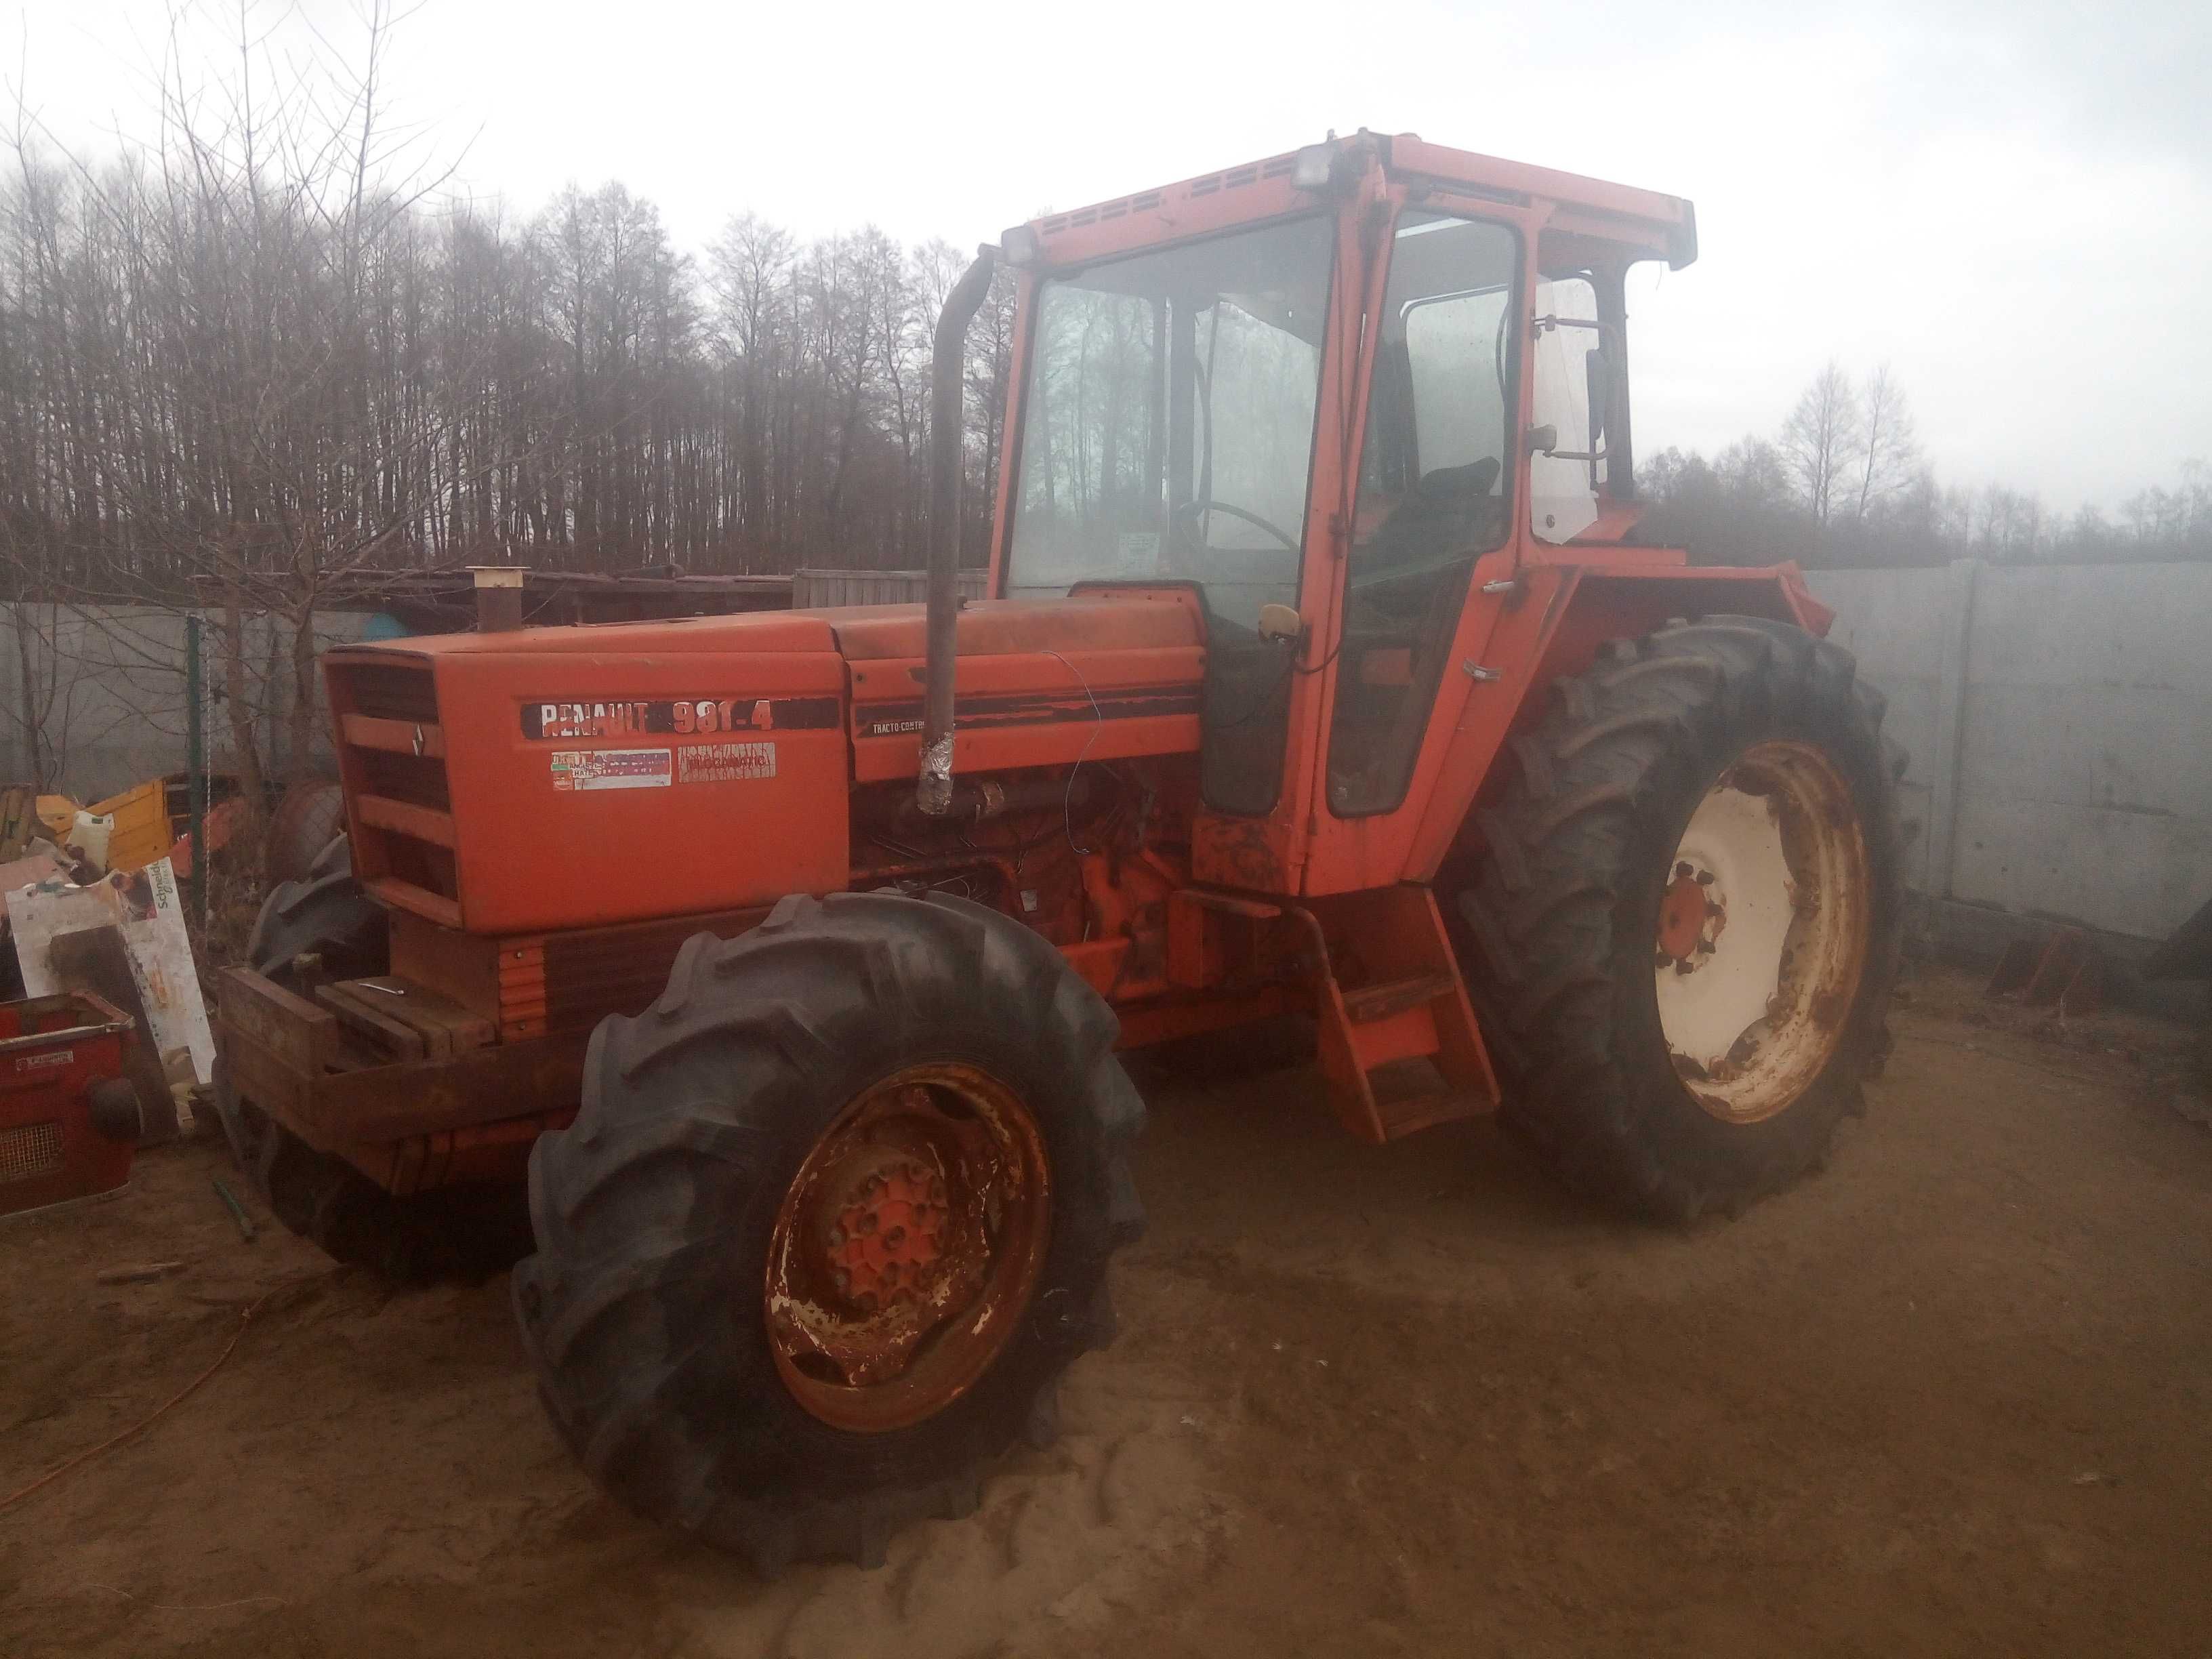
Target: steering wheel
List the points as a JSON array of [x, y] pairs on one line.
[[1195, 510]]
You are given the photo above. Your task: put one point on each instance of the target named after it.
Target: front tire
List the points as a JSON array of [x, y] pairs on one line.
[[1685, 935], [711, 1340]]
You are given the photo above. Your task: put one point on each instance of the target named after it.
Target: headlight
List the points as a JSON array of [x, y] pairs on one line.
[[1317, 166]]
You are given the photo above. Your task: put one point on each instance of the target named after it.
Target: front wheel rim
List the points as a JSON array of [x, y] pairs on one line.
[[908, 1248], [1762, 931]]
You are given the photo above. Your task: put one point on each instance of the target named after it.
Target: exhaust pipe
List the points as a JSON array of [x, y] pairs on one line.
[[947, 446], [499, 596]]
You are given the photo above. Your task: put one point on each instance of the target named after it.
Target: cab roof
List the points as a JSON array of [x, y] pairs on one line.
[[1642, 223]]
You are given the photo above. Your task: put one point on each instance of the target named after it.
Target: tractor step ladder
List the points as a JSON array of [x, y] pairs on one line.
[[1405, 1004]]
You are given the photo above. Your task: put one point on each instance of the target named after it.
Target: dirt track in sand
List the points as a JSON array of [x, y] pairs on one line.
[[1953, 1396]]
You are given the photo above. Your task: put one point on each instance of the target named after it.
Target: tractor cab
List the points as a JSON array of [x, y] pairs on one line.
[[1323, 390]]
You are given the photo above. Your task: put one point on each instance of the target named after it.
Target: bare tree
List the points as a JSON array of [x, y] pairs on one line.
[[2007, 524], [1889, 451], [1821, 441]]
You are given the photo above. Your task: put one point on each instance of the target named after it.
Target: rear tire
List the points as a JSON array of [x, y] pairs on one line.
[[466, 1232], [652, 1309], [1561, 924]]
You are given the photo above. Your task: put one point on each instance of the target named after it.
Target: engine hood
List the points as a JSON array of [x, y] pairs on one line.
[[509, 781]]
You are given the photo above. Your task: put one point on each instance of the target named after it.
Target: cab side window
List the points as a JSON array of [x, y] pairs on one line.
[[1435, 472]]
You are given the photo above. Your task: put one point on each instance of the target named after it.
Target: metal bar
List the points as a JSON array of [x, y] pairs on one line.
[[65, 1034], [196, 763]]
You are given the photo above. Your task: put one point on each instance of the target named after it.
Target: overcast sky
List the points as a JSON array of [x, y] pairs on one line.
[[2009, 203]]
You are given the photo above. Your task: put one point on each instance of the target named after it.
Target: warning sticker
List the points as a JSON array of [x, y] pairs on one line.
[[724, 762], [611, 769]]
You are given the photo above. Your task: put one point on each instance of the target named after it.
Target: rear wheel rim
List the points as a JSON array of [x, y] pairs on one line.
[[907, 1247], [1762, 931]]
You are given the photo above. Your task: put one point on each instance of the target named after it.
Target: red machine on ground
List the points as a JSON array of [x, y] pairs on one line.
[[1323, 677], [69, 1117]]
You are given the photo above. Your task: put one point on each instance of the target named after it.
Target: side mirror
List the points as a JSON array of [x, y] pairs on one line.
[[1280, 621]]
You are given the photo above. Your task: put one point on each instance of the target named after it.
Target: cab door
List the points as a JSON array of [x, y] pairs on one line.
[[1437, 506], [1435, 482]]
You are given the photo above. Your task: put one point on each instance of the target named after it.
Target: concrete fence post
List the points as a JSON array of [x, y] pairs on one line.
[[1963, 577]]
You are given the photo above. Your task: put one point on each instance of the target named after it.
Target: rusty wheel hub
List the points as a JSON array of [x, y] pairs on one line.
[[1690, 918], [907, 1248], [1762, 931], [886, 1219]]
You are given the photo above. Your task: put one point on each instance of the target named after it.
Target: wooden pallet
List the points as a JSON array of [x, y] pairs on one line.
[[404, 1020]]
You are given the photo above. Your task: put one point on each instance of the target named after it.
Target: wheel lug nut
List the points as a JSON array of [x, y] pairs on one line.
[[842, 1279], [895, 1237], [836, 1235]]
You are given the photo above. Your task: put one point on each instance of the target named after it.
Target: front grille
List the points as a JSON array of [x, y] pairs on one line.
[[387, 717], [570, 981], [418, 780], [387, 691], [30, 1150], [617, 970]]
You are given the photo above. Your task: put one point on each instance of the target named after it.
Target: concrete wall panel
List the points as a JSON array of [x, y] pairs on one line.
[[113, 677], [1892, 621]]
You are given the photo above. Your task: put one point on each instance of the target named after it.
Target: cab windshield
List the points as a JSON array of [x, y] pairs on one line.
[[1167, 428]]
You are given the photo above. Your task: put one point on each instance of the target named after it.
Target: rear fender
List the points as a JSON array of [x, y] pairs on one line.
[[1554, 626]]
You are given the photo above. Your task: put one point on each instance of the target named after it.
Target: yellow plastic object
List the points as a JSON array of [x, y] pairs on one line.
[[18, 803], [58, 813], [141, 832]]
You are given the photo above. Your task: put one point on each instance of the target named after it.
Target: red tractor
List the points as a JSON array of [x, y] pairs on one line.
[[1324, 674]]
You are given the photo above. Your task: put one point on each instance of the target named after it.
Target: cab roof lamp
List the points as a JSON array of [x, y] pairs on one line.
[[1316, 166], [1019, 247]]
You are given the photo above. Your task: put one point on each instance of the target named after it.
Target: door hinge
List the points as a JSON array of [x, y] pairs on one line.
[[1477, 673]]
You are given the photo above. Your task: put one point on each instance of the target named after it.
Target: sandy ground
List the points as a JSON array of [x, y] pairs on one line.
[[1954, 1396]]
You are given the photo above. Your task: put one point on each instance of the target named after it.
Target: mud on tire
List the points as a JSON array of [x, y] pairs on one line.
[[1560, 923], [643, 1309]]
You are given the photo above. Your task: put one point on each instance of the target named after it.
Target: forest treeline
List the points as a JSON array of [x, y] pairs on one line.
[[240, 359], [256, 353], [1845, 481]]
